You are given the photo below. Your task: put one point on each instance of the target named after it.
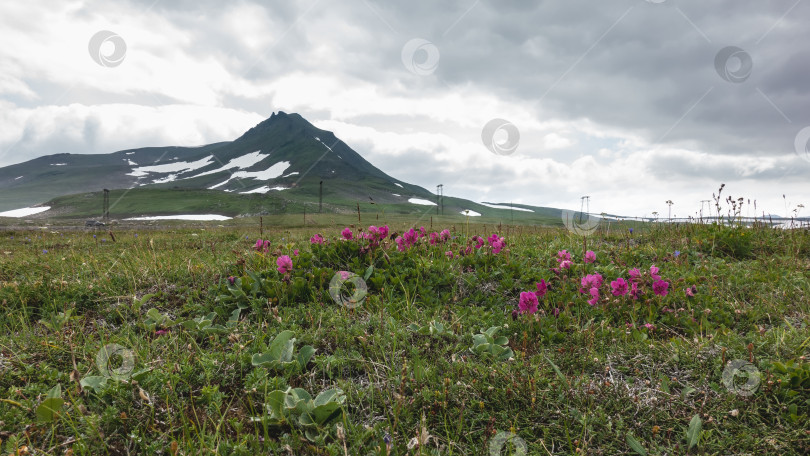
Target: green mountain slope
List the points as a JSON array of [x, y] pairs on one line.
[[275, 167]]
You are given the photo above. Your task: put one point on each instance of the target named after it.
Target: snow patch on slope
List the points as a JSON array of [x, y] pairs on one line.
[[421, 201], [180, 167], [24, 212], [495, 206]]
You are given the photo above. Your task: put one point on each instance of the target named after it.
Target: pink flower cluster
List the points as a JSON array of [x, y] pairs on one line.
[[621, 287], [407, 240], [563, 261], [284, 263], [376, 234], [317, 239], [262, 246], [529, 300]]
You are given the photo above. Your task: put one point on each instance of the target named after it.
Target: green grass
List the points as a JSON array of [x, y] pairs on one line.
[[592, 380]]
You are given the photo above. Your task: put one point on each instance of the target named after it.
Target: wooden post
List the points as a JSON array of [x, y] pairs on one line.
[[358, 212], [261, 227]]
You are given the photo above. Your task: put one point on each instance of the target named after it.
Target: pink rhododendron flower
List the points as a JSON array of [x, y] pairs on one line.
[[262, 246], [445, 234], [590, 256], [344, 275], [691, 291], [434, 238], [542, 288], [383, 232], [528, 302], [635, 274], [347, 233], [317, 239], [566, 264], [619, 286], [295, 252], [660, 287], [449, 254], [410, 237], [649, 326], [232, 280], [422, 232], [563, 255], [594, 292], [654, 273], [400, 243], [592, 281], [497, 243], [634, 292], [373, 231], [284, 264], [479, 241]]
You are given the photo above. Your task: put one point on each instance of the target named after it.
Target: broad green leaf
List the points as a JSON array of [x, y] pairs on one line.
[[368, 273], [331, 395], [95, 382], [325, 413], [287, 353], [635, 445], [49, 409], [275, 403], [304, 355], [56, 391], [278, 344], [693, 433], [261, 359]]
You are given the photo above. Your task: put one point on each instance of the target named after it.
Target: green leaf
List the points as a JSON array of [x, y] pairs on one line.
[[234, 318], [325, 413], [261, 359], [49, 409], [635, 445], [330, 395], [55, 392], [287, 353], [279, 343], [368, 273], [693, 433], [304, 355], [94, 382]]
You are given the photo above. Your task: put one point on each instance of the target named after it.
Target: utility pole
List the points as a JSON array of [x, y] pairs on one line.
[[105, 211], [702, 202], [439, 194], [585, 205], [670, 203]]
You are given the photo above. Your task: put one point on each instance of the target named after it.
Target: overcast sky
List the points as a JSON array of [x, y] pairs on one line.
[[632, 102]]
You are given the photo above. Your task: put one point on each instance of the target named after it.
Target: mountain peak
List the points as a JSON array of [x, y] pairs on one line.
[[278, 121]]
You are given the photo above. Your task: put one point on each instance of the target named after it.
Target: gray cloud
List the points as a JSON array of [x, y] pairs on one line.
[[630, 69]]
